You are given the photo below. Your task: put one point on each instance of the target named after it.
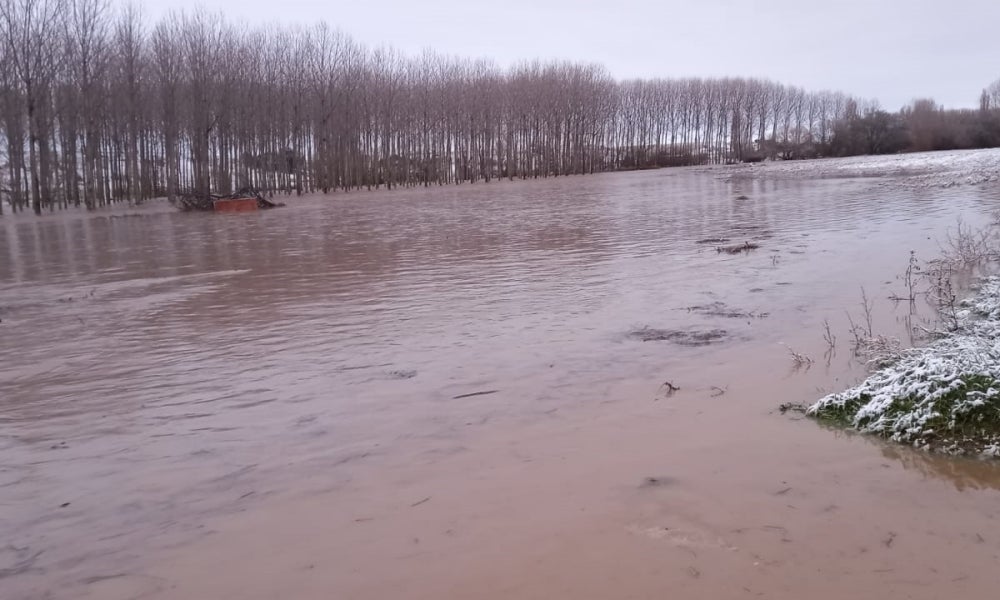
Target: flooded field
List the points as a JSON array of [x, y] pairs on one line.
[[546, 389]]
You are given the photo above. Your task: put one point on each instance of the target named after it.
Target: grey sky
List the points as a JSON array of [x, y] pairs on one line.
[[891, 50]]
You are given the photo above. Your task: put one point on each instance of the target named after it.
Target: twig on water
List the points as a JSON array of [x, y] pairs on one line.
[[798, 359], [670, 388], [828, 337], [470, 395], [910, 278], [738, 248], [943, 294], [867, 305]]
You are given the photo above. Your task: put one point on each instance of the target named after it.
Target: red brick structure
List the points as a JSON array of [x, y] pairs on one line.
[[235, 205]]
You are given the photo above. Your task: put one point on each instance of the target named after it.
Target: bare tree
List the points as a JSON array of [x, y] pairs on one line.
[[96, 107], [29, 28]]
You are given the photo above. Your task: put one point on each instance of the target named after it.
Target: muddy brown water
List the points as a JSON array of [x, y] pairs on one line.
[[292, 404]]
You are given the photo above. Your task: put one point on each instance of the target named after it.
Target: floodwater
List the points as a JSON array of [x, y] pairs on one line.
[[444, 393]]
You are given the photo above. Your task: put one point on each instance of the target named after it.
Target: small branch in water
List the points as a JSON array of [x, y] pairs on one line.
[[795, 407], [800, 360], [738, 248], [943, 294], [670, 387], [867, 305], [484, 393], [828, 337], [419, 502], [910, 277]]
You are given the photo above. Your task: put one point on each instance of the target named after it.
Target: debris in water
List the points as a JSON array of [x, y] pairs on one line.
[[719, 309], [195, 200], [402, 374], [484, 393], [795, 407], [684, 338], [670, 387], [738, 248], [799, 360], [649, 482]]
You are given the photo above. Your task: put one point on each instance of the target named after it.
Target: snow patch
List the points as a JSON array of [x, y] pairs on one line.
[[915, 170], [943, 397]]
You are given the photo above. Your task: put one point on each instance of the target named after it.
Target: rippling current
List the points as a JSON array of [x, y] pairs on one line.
[[160, 368]]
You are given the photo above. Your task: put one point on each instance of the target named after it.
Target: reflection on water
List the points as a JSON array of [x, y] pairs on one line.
[[158, 368], [963, 473]]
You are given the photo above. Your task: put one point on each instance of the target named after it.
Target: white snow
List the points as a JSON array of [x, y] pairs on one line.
[[915, 170]]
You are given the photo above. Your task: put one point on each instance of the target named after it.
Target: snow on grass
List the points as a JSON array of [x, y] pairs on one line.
[[943, 397], [915, 170]]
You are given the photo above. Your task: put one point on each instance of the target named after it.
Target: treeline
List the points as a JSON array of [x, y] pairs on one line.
[[920, 127], [98, 106]]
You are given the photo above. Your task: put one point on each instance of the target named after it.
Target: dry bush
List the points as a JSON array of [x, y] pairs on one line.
[[968, 247], [879, 350]]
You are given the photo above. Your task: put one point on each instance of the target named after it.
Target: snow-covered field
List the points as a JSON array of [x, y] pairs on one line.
[[943, 397], [917, 170]]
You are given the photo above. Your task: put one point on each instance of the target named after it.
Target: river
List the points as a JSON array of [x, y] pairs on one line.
[[445, 393]]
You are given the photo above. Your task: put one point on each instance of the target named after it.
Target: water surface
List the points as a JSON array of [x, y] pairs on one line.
[[434, 393]]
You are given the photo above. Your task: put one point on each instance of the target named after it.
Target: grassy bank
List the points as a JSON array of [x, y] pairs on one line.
[[943, 397]]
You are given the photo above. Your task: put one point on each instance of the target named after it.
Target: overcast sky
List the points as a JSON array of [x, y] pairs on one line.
[[890, 50]]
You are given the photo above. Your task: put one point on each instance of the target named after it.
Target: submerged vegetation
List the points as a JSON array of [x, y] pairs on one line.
[[683, 337]]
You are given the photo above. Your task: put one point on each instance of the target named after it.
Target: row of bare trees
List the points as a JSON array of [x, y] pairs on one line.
[[98, 106]]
